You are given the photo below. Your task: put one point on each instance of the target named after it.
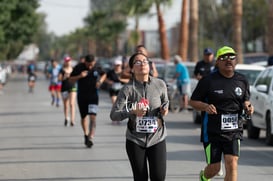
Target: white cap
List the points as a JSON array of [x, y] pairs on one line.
[[177, 58], [117, 62]]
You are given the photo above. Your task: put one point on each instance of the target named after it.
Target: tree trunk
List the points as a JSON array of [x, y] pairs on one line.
[[194, 20], [183, 35], [138, 37], [270, 28], [237, 7], [162, 35]]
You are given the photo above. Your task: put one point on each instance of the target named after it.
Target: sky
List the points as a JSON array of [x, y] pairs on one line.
[[65, 16]]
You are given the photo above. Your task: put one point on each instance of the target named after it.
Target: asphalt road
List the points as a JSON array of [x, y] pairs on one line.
[[35, 145]]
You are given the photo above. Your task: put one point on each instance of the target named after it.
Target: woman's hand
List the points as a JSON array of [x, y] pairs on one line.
[[164, 111]]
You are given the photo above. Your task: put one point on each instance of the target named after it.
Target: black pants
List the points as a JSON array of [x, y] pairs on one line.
[[156, 157]]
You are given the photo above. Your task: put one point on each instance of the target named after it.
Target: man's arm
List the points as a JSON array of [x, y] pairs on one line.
[[75, 78], [202, 106], [101, 80]]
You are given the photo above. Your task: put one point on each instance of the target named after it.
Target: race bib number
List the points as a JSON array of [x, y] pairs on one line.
[[146, 124], [117, 86], [229, 121], [92, 108]]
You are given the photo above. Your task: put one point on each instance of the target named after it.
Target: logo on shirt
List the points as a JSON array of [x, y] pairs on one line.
[[219, 91], [238, 91], [95, 73]]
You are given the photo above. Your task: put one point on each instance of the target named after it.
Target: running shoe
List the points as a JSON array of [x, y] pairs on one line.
[[221, 173], [88, 142], [65, 122], [202, 177]]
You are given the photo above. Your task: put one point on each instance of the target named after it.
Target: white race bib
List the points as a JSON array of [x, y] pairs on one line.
[[92, 108], [229, 121], [146, 124]]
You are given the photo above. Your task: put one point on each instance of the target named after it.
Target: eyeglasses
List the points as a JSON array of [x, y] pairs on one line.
[[227, 57], [139, 62]]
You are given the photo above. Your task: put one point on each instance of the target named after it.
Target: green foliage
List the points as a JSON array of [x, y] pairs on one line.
[[254, 21], [105, 23], [215, 19], [18, 25]]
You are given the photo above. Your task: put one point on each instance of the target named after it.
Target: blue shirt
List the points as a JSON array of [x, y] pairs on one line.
[[184, 77]]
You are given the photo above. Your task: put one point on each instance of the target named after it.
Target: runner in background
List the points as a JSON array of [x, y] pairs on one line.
[[126, 73], [69, 92], [55, 84], [115, 82], [32, 77], [89, 79]]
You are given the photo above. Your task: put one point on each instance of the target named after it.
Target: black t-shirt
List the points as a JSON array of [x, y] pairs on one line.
[[203, 68], [112, 75], [66, 84], [87, 85], [228, 96]]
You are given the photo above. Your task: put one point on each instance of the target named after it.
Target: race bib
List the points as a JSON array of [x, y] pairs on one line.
[[92, 108], [116, 86], [229, 121], [146, 124]]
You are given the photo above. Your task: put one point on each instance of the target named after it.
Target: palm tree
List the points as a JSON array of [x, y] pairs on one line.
[[183, 35], [162, 32], [193, 35], [270, 28], [136, 8], [237, 8]]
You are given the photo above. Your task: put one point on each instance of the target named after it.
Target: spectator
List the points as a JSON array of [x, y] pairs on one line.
[[183, 82], [206, 65]]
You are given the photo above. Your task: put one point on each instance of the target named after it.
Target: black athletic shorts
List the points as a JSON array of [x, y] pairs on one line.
[[113, 92], [88, 106], [214, 150]]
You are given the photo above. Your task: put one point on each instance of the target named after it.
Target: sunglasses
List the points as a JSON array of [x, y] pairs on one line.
[[227, 57]]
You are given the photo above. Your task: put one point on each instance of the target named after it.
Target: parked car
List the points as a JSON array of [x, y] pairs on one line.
[[172, 87], [262, 100], [251, 72], [250, 58]]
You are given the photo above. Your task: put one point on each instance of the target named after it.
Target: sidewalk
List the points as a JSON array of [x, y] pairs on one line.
[[35, 145]]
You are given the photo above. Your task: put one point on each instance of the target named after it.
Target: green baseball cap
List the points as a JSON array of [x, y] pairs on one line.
[[225, 50]]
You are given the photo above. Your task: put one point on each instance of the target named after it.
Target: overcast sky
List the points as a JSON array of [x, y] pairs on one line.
[[64, 16]]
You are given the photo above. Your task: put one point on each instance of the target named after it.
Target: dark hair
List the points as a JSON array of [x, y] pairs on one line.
[[140, 46], [89, 58], [132, 58]]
